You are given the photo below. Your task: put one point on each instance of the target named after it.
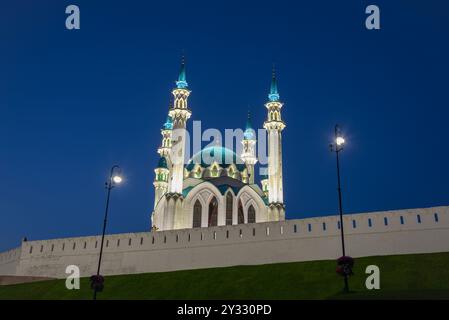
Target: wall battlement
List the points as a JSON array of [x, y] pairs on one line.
[[377, 233]]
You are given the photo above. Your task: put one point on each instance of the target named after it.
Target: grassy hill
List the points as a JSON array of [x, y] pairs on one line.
[[404, 276]]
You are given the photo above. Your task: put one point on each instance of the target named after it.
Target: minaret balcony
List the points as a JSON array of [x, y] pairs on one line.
[[177, 114], [249, 158], [164, 151], [163, 185], [181, 93], [274, 105], [274, 125]]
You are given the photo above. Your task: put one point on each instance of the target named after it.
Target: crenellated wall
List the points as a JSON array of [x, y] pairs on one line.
[[377, 233]]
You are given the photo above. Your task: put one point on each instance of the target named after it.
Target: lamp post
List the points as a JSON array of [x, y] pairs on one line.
[[114, 179], [336, 147]]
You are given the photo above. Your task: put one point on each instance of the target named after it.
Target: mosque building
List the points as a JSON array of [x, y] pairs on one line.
[[216, 187], [209, 212]]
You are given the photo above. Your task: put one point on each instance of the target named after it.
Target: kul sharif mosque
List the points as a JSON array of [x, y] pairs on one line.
[[216, 187]]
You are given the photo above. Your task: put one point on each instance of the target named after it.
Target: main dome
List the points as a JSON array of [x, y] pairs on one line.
[[223, 156]]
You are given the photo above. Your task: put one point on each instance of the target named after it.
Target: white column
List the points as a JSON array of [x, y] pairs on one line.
[[180, 113], [274, 126], [177, 155]]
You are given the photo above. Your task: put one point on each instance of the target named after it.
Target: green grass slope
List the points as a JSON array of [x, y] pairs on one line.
[[401, 277]]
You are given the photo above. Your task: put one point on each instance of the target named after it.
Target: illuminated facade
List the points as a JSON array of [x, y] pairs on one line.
[[216, 187], [274, 126]]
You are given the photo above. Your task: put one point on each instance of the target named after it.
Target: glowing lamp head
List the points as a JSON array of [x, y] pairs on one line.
[[117, 179], [340, 141]]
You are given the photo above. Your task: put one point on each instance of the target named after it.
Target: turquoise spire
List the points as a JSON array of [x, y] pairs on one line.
[[182, 82], [248, 122], [274, 94], [168, 125], [249, 133]]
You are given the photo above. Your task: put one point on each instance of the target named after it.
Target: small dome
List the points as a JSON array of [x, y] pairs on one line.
[[162, 163], [249, 134], [223, 156], [168, 125]]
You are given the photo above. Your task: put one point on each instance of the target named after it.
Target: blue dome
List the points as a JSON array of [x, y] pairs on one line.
[[162, 163], [223, 156]]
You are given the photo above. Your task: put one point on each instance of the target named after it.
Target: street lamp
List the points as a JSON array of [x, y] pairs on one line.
[[336, 147], [117, 179], [339, 141], [114, 179]]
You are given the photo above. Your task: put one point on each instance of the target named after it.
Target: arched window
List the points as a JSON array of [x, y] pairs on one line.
[[231, 172], [240, 216], [229, 208], [197, 214], [198, 172], [214, 171], [213, 212], [251, 214], [181, 103]]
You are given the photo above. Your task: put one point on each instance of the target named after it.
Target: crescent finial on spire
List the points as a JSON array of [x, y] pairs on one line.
[[274, 94], [182, 81], [249, 133]]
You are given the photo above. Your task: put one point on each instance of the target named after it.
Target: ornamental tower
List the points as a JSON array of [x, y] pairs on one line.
[[249, 149], [166, 144], [274, 126], [179, 114], [162, 177], [264, 182], [160, 180]]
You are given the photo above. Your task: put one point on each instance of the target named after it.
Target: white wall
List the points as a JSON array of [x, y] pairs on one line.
[[248, 244], [9, 261]]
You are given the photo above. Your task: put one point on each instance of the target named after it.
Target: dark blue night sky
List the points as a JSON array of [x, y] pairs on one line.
[[73, 103]]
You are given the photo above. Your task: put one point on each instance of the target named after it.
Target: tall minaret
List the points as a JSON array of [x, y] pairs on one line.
[[162, 177], [179, 114], [166, 144], [249, 149], [274, 126], [160, 180]]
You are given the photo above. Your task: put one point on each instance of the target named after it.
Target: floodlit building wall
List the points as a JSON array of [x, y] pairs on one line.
[[368, 234], [9, 261]]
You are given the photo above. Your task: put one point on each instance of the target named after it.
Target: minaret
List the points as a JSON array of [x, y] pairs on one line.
[[164, 152], [249, 149], [274, 126], [166, 144], [179, 114], [264, 182], [160, 180]]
